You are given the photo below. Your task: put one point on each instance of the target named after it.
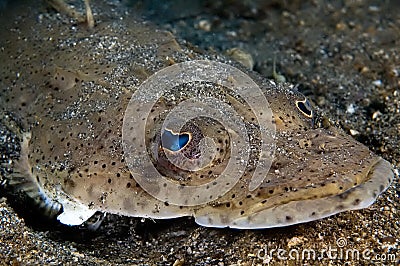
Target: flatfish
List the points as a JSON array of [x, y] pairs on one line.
[[123, 118]]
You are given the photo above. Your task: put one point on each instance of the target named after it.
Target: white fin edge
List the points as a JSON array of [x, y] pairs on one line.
[[74, 212]]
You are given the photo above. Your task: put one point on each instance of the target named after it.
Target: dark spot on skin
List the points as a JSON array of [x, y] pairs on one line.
[[288, 218], [313, 214], [340, 207], [381, 187], [69, 183], [356, 202], [343, 195]]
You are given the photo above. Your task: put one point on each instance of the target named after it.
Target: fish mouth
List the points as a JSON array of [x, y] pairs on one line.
[[376, 177]]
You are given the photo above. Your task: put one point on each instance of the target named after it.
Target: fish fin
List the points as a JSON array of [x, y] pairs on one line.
[[94, 222], [22, 181], [67, 210], [62, 7], [73, 212]]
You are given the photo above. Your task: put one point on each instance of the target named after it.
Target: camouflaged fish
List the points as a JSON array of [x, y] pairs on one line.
[[72, 87]]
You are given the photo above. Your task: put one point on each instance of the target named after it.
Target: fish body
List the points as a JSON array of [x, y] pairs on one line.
[[82, 95]]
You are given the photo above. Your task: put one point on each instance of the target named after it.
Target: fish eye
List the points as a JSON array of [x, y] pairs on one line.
[[175, 142], [305, 108]]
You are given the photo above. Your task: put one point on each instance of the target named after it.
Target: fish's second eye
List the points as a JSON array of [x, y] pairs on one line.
[[305, 108]]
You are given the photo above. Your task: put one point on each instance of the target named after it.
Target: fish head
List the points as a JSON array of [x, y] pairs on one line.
[[317, 170]]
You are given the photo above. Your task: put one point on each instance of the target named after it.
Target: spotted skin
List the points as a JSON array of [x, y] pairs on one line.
[[70, 86]]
